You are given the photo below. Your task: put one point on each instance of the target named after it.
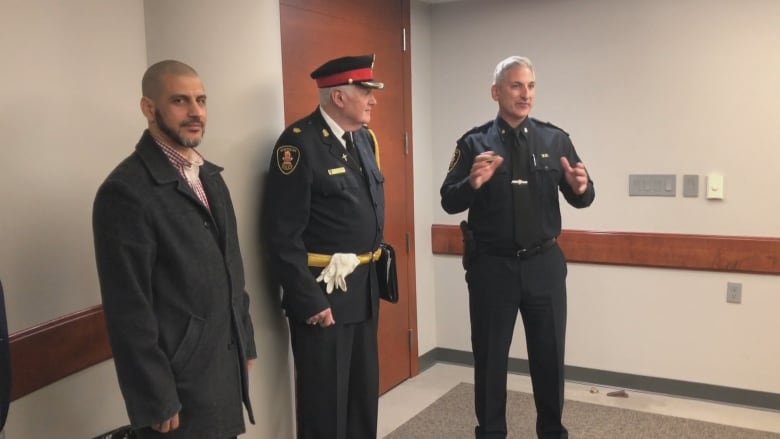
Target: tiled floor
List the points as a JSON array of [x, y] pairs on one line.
[[403, 402]]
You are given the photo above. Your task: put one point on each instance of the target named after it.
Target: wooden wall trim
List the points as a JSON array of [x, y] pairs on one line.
[[48, 352], [740, 254]]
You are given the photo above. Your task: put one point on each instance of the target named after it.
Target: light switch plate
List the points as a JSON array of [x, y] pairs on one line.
[[714, 186], [652, 185]]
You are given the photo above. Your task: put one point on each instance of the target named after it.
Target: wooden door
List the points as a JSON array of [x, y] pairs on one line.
[[314, 31]]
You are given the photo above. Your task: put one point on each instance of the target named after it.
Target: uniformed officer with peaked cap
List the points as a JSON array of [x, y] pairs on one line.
[[324, 219]]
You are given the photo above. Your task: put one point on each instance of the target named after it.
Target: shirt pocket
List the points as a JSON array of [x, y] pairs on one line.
[[548, 166], [336, 184], [377, 177]]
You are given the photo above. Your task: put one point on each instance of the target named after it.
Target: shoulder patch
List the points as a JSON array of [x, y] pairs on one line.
[[287, 158], [454, 160], [550, 125]]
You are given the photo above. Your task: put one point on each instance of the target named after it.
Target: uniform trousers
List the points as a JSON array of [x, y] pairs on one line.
[[337, 380], [499, 286]]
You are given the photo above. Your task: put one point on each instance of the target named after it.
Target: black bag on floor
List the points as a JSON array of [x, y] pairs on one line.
[[388, 277], [120, 433]]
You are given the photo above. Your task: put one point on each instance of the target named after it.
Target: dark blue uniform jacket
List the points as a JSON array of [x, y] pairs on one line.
[[319, 201]]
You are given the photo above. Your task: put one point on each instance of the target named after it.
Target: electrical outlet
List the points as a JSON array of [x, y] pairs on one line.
[[734, 292]]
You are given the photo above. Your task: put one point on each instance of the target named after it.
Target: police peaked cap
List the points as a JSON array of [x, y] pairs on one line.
[[357, 70]]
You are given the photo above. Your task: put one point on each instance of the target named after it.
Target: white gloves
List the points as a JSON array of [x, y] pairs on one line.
[[337, 270]]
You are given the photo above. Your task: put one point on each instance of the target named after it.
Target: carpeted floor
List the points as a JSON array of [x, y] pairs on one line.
[[452, 417]]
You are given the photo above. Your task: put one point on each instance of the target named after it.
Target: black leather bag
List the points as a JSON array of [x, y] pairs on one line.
[[125, 432], [388, 277]]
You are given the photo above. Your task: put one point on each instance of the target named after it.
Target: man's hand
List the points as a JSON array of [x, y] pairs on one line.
[[167, 425], [483, 168], [323, 318], [577, 177]]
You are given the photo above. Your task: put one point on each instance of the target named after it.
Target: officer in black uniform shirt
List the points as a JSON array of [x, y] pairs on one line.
[[324, 211], [508, 173]]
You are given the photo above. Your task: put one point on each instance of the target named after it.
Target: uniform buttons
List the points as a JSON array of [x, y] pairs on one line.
[[206, 224]]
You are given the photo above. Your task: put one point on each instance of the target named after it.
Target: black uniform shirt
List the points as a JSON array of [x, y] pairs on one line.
[[491, 215]]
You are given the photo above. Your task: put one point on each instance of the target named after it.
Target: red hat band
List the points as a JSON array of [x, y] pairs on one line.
[[347, 77]]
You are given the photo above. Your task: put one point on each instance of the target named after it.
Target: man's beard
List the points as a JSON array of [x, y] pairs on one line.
[[173, 134]]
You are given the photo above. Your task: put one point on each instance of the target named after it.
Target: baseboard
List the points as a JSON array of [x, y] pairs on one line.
[[686, 389]]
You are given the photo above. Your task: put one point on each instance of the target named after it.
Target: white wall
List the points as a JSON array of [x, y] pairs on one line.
[[422, 111], [69, 112], [70, 90], [660, 87], [69, 109], [642, 87]]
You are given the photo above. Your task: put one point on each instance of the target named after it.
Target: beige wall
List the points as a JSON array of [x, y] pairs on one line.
[[70, 90], [679, 87], [659, 87], [69, 101], [424, 161]]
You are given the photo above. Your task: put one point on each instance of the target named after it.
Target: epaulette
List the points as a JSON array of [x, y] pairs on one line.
[[480, 129], [550, 125]]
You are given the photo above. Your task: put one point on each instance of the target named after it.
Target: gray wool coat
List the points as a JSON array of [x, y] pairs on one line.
[[172, 285]]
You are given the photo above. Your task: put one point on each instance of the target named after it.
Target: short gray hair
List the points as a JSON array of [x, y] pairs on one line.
[[508, 63], [325, 92]]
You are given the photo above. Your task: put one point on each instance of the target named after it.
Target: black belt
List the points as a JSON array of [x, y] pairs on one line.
[[520, 253]]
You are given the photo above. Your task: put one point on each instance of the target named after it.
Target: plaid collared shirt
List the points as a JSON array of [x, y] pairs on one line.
[[183, 165]]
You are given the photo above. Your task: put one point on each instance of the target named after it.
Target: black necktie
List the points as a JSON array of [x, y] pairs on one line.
[[522, 205], [350, 145], [351, 149]]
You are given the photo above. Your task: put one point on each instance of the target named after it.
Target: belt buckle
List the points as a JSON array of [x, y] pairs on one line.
[[521, 252]]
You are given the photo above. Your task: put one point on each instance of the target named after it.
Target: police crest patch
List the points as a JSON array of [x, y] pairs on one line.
[[455, 159], [287, 158]]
